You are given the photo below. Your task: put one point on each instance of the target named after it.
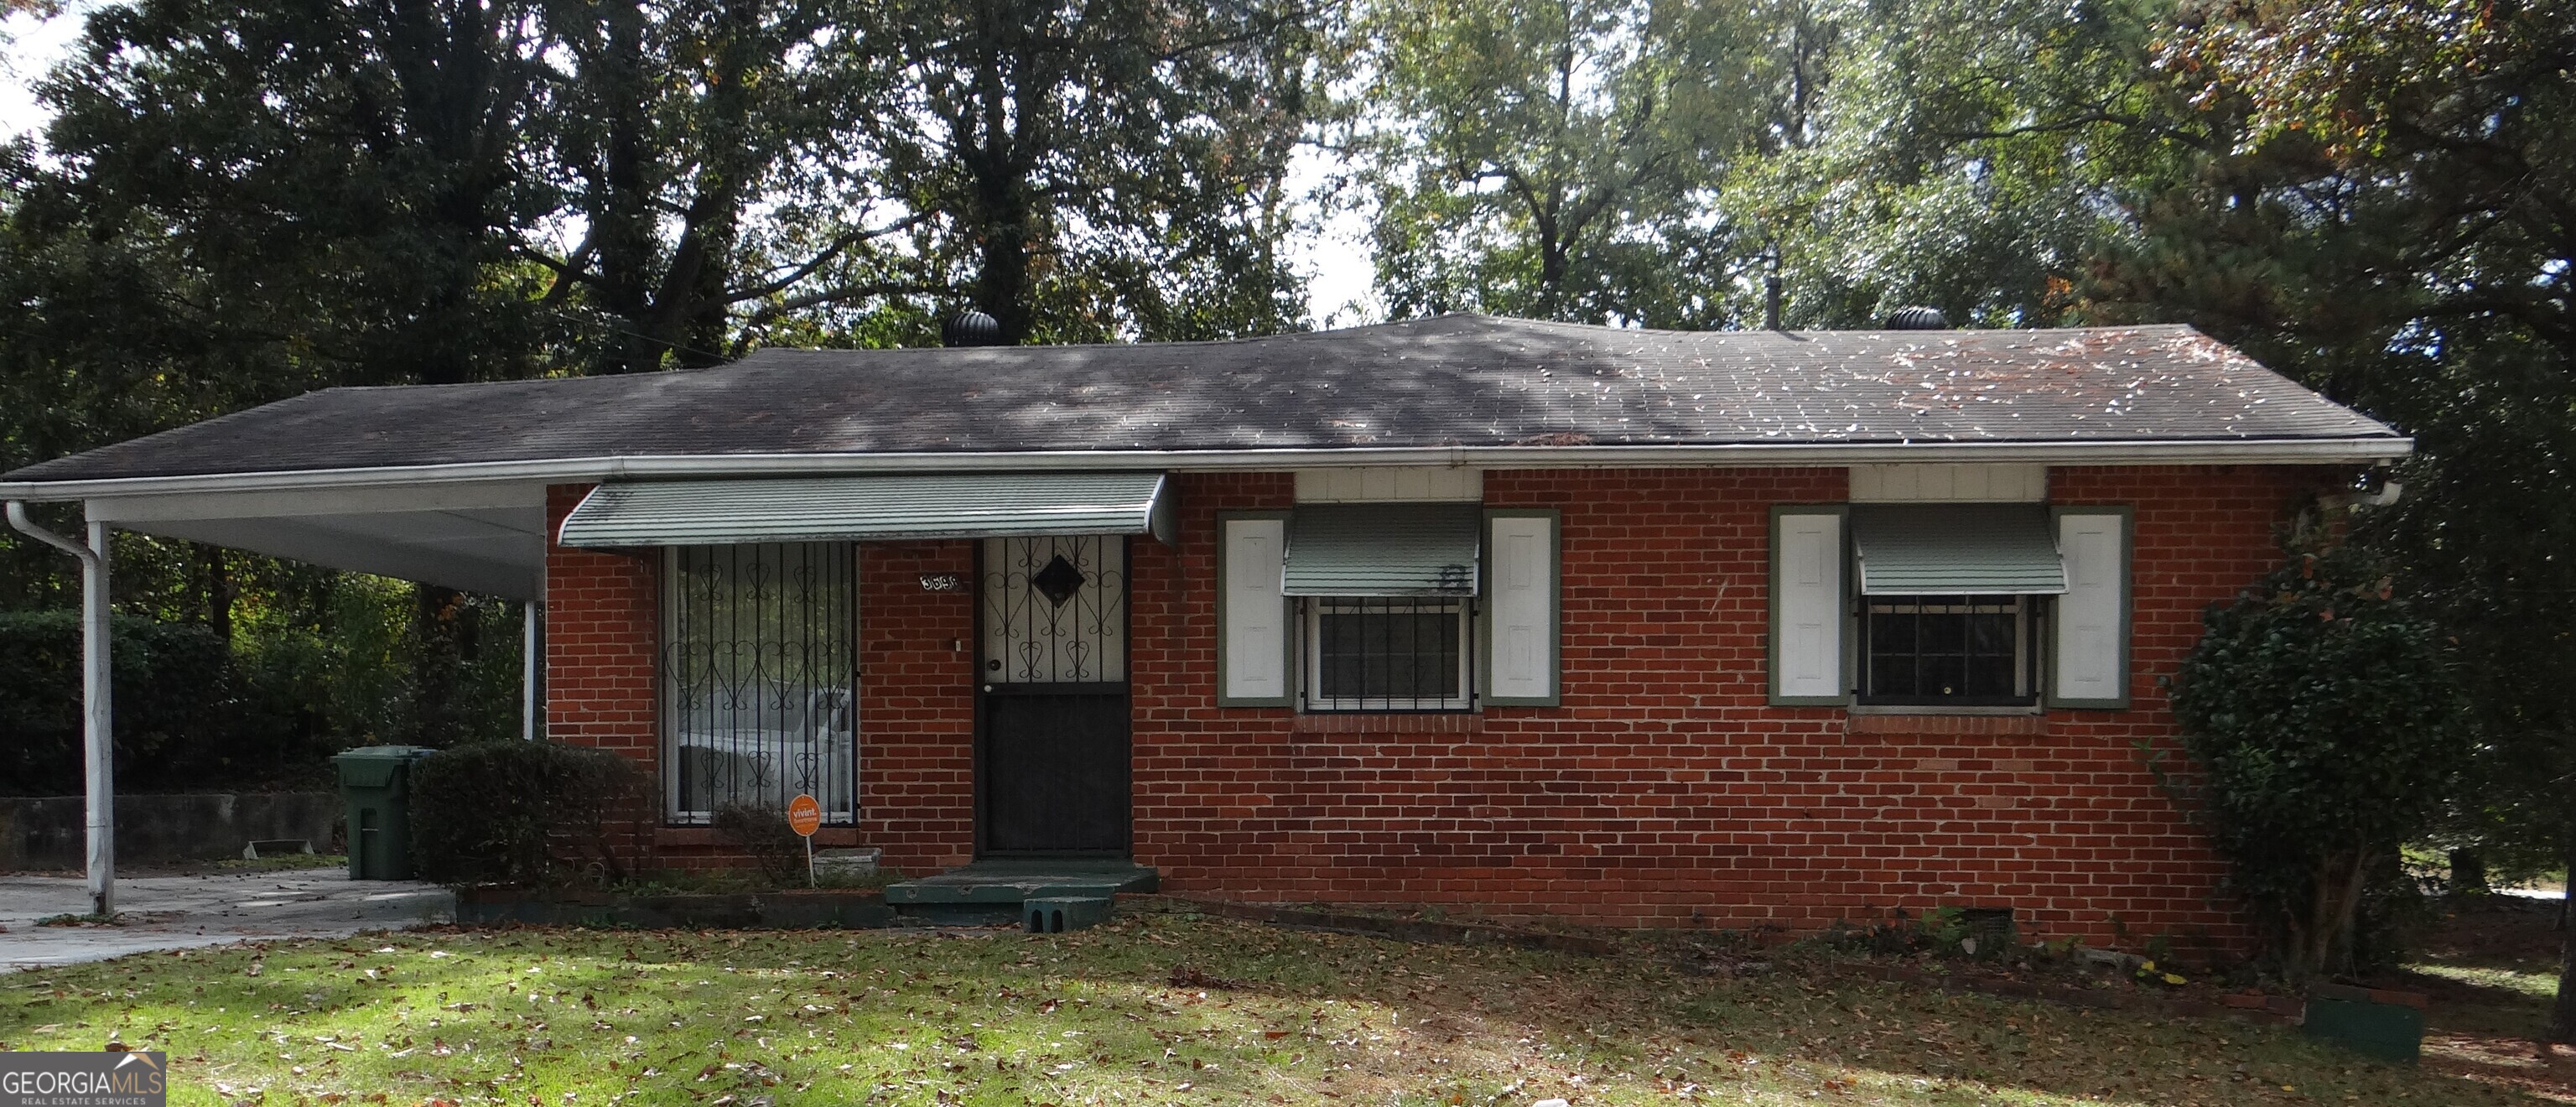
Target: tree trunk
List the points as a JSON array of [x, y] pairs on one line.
[[2334, 903], [623, 211], [219, 593], [1000, 135], [2562, 1015], [2468, 872], [438, 662]]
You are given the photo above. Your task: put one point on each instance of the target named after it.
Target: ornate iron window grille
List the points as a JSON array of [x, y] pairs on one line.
[[759, 679]]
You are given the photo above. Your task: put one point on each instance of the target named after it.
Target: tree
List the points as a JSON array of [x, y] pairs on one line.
[[1552, 159], [334, 182], [1972, 157], [2397, 222], [1100, 170], [2324, 721], [707, 148]]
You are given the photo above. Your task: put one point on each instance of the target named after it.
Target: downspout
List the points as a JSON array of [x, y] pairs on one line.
[[97, 715]]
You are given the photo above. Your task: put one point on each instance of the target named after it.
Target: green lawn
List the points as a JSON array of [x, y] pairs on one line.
[[569, 1018]]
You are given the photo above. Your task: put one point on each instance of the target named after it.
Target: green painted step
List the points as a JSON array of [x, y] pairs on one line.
[[1057, 914], [991, 891]]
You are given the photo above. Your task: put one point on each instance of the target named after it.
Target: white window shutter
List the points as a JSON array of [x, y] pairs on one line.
[[1252, 635], [1807, 606], [1521, 609], [2091, 666]]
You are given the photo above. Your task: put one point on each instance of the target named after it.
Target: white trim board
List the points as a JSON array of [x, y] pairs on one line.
[[2014, 483], [585, 470], [1390, 484]]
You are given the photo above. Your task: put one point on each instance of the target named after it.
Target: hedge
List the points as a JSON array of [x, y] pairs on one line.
[[527, 813]]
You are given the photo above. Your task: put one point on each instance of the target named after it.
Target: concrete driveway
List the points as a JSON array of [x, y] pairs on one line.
[[177, 912]]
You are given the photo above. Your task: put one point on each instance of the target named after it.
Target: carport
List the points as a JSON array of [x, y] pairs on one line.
[[478, 535]]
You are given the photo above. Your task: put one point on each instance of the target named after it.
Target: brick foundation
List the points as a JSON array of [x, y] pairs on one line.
[[1664, 790]]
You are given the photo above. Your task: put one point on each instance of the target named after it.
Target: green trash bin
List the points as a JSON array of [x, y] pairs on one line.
[[376, 783]]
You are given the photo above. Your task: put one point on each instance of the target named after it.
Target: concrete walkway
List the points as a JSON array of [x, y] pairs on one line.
[[177, 912]]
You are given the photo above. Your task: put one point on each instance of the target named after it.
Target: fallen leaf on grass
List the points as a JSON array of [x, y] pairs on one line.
[[1189, 976]]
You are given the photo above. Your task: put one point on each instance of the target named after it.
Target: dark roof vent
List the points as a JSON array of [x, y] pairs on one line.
[[974, 328], [1918, 319]]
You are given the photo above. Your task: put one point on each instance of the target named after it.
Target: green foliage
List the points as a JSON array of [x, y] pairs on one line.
[[1545, 160], [186, 717], [258, 704], [1095, 172], [2325, 723], [527, 813], [352, 670], [195, 712]]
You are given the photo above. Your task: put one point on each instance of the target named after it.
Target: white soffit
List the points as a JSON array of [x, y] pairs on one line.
[[1949, 484], [1383, 484], [479, 537]]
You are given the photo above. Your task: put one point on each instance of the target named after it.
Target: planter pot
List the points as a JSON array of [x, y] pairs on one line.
[[2371, 1021]]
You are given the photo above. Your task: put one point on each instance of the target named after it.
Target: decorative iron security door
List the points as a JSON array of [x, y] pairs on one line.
[[1054, 680]]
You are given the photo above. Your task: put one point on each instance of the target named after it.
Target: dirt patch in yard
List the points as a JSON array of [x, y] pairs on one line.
[[2491, 969]]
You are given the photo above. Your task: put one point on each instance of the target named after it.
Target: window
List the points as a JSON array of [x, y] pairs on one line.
[[758, 674], [1949, 650], [1950, 604], [1400, 654]]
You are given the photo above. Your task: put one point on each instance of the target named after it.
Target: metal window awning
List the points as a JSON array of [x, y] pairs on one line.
[[638, 514], [1409, 549], [1957, 549]]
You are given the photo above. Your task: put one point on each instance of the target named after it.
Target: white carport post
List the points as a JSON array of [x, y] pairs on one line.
[[531, 663], [97, 715]]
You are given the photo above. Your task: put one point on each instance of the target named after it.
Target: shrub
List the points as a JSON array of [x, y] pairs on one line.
[[762, 832], [528, 813], [2325, 725]]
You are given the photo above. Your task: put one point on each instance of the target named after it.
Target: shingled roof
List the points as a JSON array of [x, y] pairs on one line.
[[1455, 381]]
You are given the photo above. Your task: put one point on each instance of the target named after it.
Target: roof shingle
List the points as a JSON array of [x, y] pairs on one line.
[[1458, 380]]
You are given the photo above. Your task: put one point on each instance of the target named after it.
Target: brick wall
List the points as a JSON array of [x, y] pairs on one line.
[[599, 626], [917, 705], [1663, 791]]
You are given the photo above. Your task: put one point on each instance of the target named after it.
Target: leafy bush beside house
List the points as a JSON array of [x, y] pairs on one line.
[[2325, 724], [527, 813]]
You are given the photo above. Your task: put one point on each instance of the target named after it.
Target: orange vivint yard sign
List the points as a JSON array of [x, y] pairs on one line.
[[804, 816]]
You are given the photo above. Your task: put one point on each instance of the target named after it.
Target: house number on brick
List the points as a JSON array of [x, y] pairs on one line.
[[942, 582]]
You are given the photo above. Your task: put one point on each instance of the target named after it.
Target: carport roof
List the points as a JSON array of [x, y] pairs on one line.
[[1497, 387]]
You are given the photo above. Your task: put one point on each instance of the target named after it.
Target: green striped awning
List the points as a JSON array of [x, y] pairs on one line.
[[1407, 549], [630, 515], [1956, 549]]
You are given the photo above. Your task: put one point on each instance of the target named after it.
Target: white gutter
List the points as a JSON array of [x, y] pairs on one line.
[[98, 741], [1764, 455]]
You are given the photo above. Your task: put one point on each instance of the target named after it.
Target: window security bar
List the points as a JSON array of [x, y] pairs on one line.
[[758, 670], [1388, 654]]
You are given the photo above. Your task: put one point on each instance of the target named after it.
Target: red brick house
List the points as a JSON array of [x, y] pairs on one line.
[[1640, 628]]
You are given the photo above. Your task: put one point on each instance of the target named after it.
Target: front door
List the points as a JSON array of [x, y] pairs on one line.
[[1053, 765]]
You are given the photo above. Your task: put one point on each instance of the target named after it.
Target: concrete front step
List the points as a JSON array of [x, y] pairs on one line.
[[1057, 914], [992, 892]]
